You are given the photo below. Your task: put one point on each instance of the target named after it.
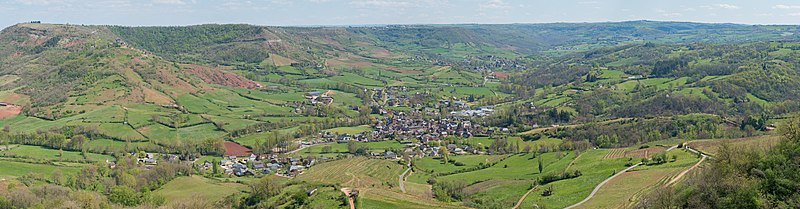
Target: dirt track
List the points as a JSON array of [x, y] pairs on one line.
[[523, 197]]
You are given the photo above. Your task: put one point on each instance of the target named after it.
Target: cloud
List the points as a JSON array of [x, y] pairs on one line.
[[173, 2], [381, 3], [782, 6], [110, 3], [794, 14], [41, 2], [727, 6], [494, 4], [719, 6]]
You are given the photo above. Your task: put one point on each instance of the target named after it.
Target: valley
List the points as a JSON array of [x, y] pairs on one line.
[[395, 116]]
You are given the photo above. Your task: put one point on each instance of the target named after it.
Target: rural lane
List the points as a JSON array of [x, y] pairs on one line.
[[400, 181], [350, 199], [523, 197], [679, 176], [597, 188], [601, 185]]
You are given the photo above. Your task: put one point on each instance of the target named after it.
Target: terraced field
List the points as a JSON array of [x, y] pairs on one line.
[[625, 190], [712, 146], [376, 181]]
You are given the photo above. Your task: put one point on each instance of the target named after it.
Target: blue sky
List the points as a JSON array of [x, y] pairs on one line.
[[360, 12]]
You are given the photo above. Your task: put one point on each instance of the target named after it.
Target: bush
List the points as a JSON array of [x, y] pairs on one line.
[[125, 196]]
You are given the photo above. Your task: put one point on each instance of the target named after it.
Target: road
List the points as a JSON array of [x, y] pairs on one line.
[[523, 197], [678, 177], [400, 181], [597, 188], [298, 149]]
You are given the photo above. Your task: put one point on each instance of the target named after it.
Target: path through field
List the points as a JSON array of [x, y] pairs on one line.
[[601, 185], [572, 162], [350, 200], [523, 197], [400, 181], [597, 188], [684, 172]]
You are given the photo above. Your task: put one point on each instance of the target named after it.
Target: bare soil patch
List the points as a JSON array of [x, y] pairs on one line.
[[236, 149], [500, 75], [220, 77], [10, 111]]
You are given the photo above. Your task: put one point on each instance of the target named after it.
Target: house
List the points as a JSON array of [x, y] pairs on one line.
[[547, 192], [272, 166], [325, 99], [206, 165], [635, 77], [149, 159], [226, 163], [313, 95], [390, 155], [253, 157], [344, 138], [258, 165], [296, 168]]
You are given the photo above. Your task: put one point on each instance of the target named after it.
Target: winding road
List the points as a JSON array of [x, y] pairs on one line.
[[597, 188]]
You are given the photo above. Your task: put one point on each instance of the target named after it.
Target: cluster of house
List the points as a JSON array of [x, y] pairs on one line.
[[326, 136], [475, 112], [316, 97], [262, 164], [152, 158], [394, 96], [488, 62], [401, 126]]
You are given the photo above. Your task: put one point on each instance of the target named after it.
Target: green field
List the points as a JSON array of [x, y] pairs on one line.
[[624, 191], [197, 187], [342, 147], [16, 169], [350, 130], [40, 153]]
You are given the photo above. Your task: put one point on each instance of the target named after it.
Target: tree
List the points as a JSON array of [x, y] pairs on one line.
[[541, 167], [215, 167], [326, 149], [263, 189], [125, 196], [352, 147], [444, 152], [220, 125]]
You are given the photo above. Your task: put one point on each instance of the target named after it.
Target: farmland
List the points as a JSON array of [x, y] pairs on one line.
[[196, 187], [482, 114], [712, 146]]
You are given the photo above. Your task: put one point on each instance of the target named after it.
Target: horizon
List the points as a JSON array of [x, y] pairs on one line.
[[411, 24], [310, 13]]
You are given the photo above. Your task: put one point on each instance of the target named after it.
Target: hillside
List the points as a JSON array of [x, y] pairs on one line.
[[414, 116]]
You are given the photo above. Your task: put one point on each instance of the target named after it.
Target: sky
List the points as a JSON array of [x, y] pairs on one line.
[[370, 12]]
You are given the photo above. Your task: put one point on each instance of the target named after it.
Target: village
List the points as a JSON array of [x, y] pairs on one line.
[[419, 130]]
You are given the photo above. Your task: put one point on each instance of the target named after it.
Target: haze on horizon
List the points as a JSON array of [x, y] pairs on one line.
[[366, 12]]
